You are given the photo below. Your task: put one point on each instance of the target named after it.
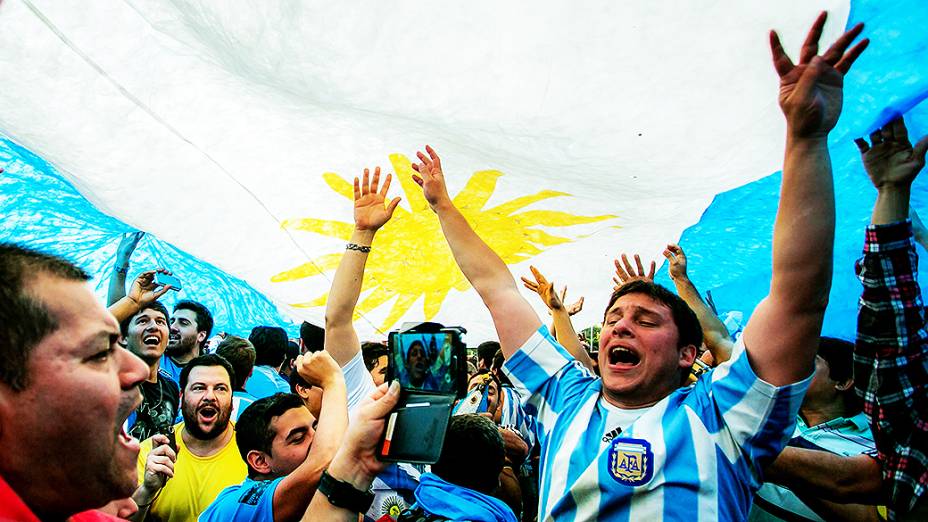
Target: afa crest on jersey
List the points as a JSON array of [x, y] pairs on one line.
[[631, 462]]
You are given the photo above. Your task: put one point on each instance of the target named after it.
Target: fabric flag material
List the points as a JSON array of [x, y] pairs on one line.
[[231, 133]]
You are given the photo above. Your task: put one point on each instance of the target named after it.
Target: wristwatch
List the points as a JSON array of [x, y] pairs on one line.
[[344, 495]]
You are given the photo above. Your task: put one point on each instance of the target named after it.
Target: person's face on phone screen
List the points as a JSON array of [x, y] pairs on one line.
[[417, 363]]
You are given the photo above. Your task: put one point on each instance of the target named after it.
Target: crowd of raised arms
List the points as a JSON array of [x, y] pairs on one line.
[[136, 411]]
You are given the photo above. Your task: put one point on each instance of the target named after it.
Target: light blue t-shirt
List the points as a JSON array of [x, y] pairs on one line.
[[250, 501], [240, 401], [698, 453], [171, 368], [848, 437], [264, 382]]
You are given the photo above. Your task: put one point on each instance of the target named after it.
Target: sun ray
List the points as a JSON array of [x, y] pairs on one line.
[[433, 301], [509, 207], [339, 184], [402, 305], [319, 301], [324, 227], [478, 190], [410, 259], [402, 169], [319, 266], [554, 218]]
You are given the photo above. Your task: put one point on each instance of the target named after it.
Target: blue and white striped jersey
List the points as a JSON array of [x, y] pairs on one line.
[[513, 415], [696, 455]]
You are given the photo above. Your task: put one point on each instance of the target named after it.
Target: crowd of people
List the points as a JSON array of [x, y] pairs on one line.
[[134, 411]]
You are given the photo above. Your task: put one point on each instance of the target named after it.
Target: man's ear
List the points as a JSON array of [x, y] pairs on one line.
[[688, 355], [201, 336], [845, 385], [258, 461]]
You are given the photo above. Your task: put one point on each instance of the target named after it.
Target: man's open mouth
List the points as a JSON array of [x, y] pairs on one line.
[[208, 414], [151, 340], [621, 356]]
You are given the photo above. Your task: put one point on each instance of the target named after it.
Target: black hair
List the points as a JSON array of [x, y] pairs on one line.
[[270, 344], [296, 380], [204, 317], [486, 351], [241, 355], [839, 354], [154, 305], [371, 352], [473, 454], [313, 337], [24, 319], [253, 428], [209, 359], [684, 317]]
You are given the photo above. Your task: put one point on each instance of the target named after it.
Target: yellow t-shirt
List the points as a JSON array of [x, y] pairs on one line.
[[197, 481]]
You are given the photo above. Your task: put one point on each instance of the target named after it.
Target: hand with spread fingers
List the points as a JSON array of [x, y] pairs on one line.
[[431, 178], [627, 273], [370, 213], [811, 91], [572, 309], [544, 289], [145, 290], [889, 158]]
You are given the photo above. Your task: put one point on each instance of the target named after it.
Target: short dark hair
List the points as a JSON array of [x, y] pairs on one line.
[[209, 359], [241, 355], [24, 319], [371, 352], [839, 354], [297, 380], [486, 351], [684, 317], [253, 428], [154, 305], [204, 317], [473, 454], [270, 345], [313, 337]]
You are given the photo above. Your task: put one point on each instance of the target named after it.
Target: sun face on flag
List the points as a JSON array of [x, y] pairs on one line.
[[410, 258]]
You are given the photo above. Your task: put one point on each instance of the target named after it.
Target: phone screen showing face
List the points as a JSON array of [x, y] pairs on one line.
[[165, 279], [424, 362]]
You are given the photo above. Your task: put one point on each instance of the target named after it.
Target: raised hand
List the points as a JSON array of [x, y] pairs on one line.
[[890, 159], [127, 246], [431, 178], [159, 466], [318, 368], [811, 92], [677, 261], [144, 290], [572, 309], [544, 288], [627, 273], [369, 210]]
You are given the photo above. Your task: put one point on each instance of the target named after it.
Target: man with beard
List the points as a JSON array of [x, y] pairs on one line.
[[179, 484], [66, 388], [191, 325]]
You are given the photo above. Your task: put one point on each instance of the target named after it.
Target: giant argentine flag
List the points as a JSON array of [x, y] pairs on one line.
[[230, 132]]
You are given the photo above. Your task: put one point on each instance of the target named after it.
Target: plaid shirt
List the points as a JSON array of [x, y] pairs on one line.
[[890, 363]]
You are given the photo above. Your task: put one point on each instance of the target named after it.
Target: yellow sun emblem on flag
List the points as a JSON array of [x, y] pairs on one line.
[[411, 259]]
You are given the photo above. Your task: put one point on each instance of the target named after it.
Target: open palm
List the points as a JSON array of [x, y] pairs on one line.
[[370, 213]]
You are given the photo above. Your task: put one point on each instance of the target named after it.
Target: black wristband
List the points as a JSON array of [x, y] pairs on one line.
[[359, 248], [344, 495]]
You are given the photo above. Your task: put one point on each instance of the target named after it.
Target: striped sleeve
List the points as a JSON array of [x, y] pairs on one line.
[[547, 377], [752, 419]]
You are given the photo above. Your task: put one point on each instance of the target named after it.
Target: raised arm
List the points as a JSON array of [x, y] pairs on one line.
[[294, 492], [714, 333], [811, 94], [144, 290], [566, 335], [341, 340], [117, 286], [514, 318]]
